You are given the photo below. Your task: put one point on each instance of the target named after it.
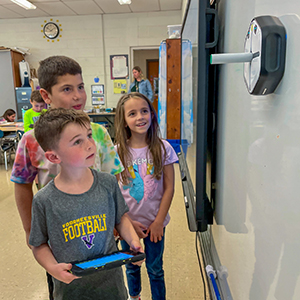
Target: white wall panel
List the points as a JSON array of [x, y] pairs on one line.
[[258, 207]]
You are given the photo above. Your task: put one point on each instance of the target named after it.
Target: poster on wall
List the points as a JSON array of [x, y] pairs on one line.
[[97, 91], [120, 86], [119, 66], [162, 90], [187, 92]]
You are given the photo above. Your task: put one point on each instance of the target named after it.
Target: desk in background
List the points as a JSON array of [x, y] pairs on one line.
[[10, 134], [11, 127], [108, 118]]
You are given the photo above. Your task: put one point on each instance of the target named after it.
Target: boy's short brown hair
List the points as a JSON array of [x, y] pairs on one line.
[[53, 67], [37, 97], [51, 123]]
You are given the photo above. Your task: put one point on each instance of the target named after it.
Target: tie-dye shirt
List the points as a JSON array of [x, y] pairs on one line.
[[30, 158], [144, 193]]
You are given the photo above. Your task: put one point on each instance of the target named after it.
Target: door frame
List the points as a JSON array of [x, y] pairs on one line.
[[132, 48]]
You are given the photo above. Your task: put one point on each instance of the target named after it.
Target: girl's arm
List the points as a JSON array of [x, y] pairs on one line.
[[156, 228], [139, 228], [45, 258]]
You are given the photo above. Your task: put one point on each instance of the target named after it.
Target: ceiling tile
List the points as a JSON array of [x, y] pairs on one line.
[[144, 5], [112, 6], [84, 7], [170, 4], [27, 13], [39, 1], [8, 14], [55, 9]]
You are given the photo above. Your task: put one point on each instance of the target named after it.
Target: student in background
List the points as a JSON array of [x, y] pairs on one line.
[[31, 115], [9, 115], [141, 84], [61, 83], [147, 185], [78, 195]]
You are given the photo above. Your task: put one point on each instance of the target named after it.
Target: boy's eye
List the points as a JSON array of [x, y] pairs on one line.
[[67, 89], [89, 135], [81, 87], [77, 142]]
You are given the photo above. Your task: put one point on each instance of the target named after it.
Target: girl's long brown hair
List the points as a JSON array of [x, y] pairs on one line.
[[123, 134]]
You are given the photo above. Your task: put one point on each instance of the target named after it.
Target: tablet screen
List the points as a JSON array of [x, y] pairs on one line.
[[98, 262]]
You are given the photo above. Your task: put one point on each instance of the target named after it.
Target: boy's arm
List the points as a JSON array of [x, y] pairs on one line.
[[128, 233], [23, 196], [156, 228], [45, 258], [26, 121], [23, 174]]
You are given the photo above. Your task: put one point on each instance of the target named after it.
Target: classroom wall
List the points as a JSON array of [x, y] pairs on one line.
[[90, 40]]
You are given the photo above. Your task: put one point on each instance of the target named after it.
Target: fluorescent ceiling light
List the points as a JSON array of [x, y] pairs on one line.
[[24, 3], [124, 2]]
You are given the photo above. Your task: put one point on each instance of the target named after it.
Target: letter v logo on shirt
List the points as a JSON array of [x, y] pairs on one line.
[[88, 240]]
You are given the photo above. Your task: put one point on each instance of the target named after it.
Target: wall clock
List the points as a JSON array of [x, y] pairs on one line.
[[51, 30]]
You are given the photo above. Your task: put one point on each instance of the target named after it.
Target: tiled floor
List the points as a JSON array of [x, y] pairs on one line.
[[21, 278]]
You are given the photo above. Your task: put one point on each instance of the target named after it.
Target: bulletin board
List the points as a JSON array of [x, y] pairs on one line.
[[119, 66]]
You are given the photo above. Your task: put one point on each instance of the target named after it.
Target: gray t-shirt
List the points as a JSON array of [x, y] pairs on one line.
[[80, 227]]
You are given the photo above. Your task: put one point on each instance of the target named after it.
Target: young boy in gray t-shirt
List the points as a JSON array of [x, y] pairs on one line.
[[74, 216]]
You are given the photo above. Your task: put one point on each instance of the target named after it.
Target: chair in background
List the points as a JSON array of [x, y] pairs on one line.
[[6, 149], [20, 134]]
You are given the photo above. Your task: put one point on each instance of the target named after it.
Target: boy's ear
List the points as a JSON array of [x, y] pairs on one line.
[[45, 96], [52, 157]]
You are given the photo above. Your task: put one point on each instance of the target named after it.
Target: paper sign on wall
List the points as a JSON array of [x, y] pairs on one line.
[[119, 66], [120, 86]]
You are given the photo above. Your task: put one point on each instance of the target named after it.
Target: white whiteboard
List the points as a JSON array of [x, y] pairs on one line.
[[258, 200]]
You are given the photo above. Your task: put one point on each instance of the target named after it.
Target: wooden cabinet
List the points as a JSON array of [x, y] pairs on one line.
[[10, 78], [173, 87], [169, 89]]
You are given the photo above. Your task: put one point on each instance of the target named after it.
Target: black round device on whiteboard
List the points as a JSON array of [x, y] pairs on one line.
[[266, 40]]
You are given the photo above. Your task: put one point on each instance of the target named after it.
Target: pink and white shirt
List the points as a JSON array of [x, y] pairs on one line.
[[144, 193]]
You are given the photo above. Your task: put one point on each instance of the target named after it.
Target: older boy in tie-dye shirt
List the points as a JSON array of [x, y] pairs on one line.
[[61, 83]]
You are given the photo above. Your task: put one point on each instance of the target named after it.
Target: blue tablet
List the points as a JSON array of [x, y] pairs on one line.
[[105, 262]]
